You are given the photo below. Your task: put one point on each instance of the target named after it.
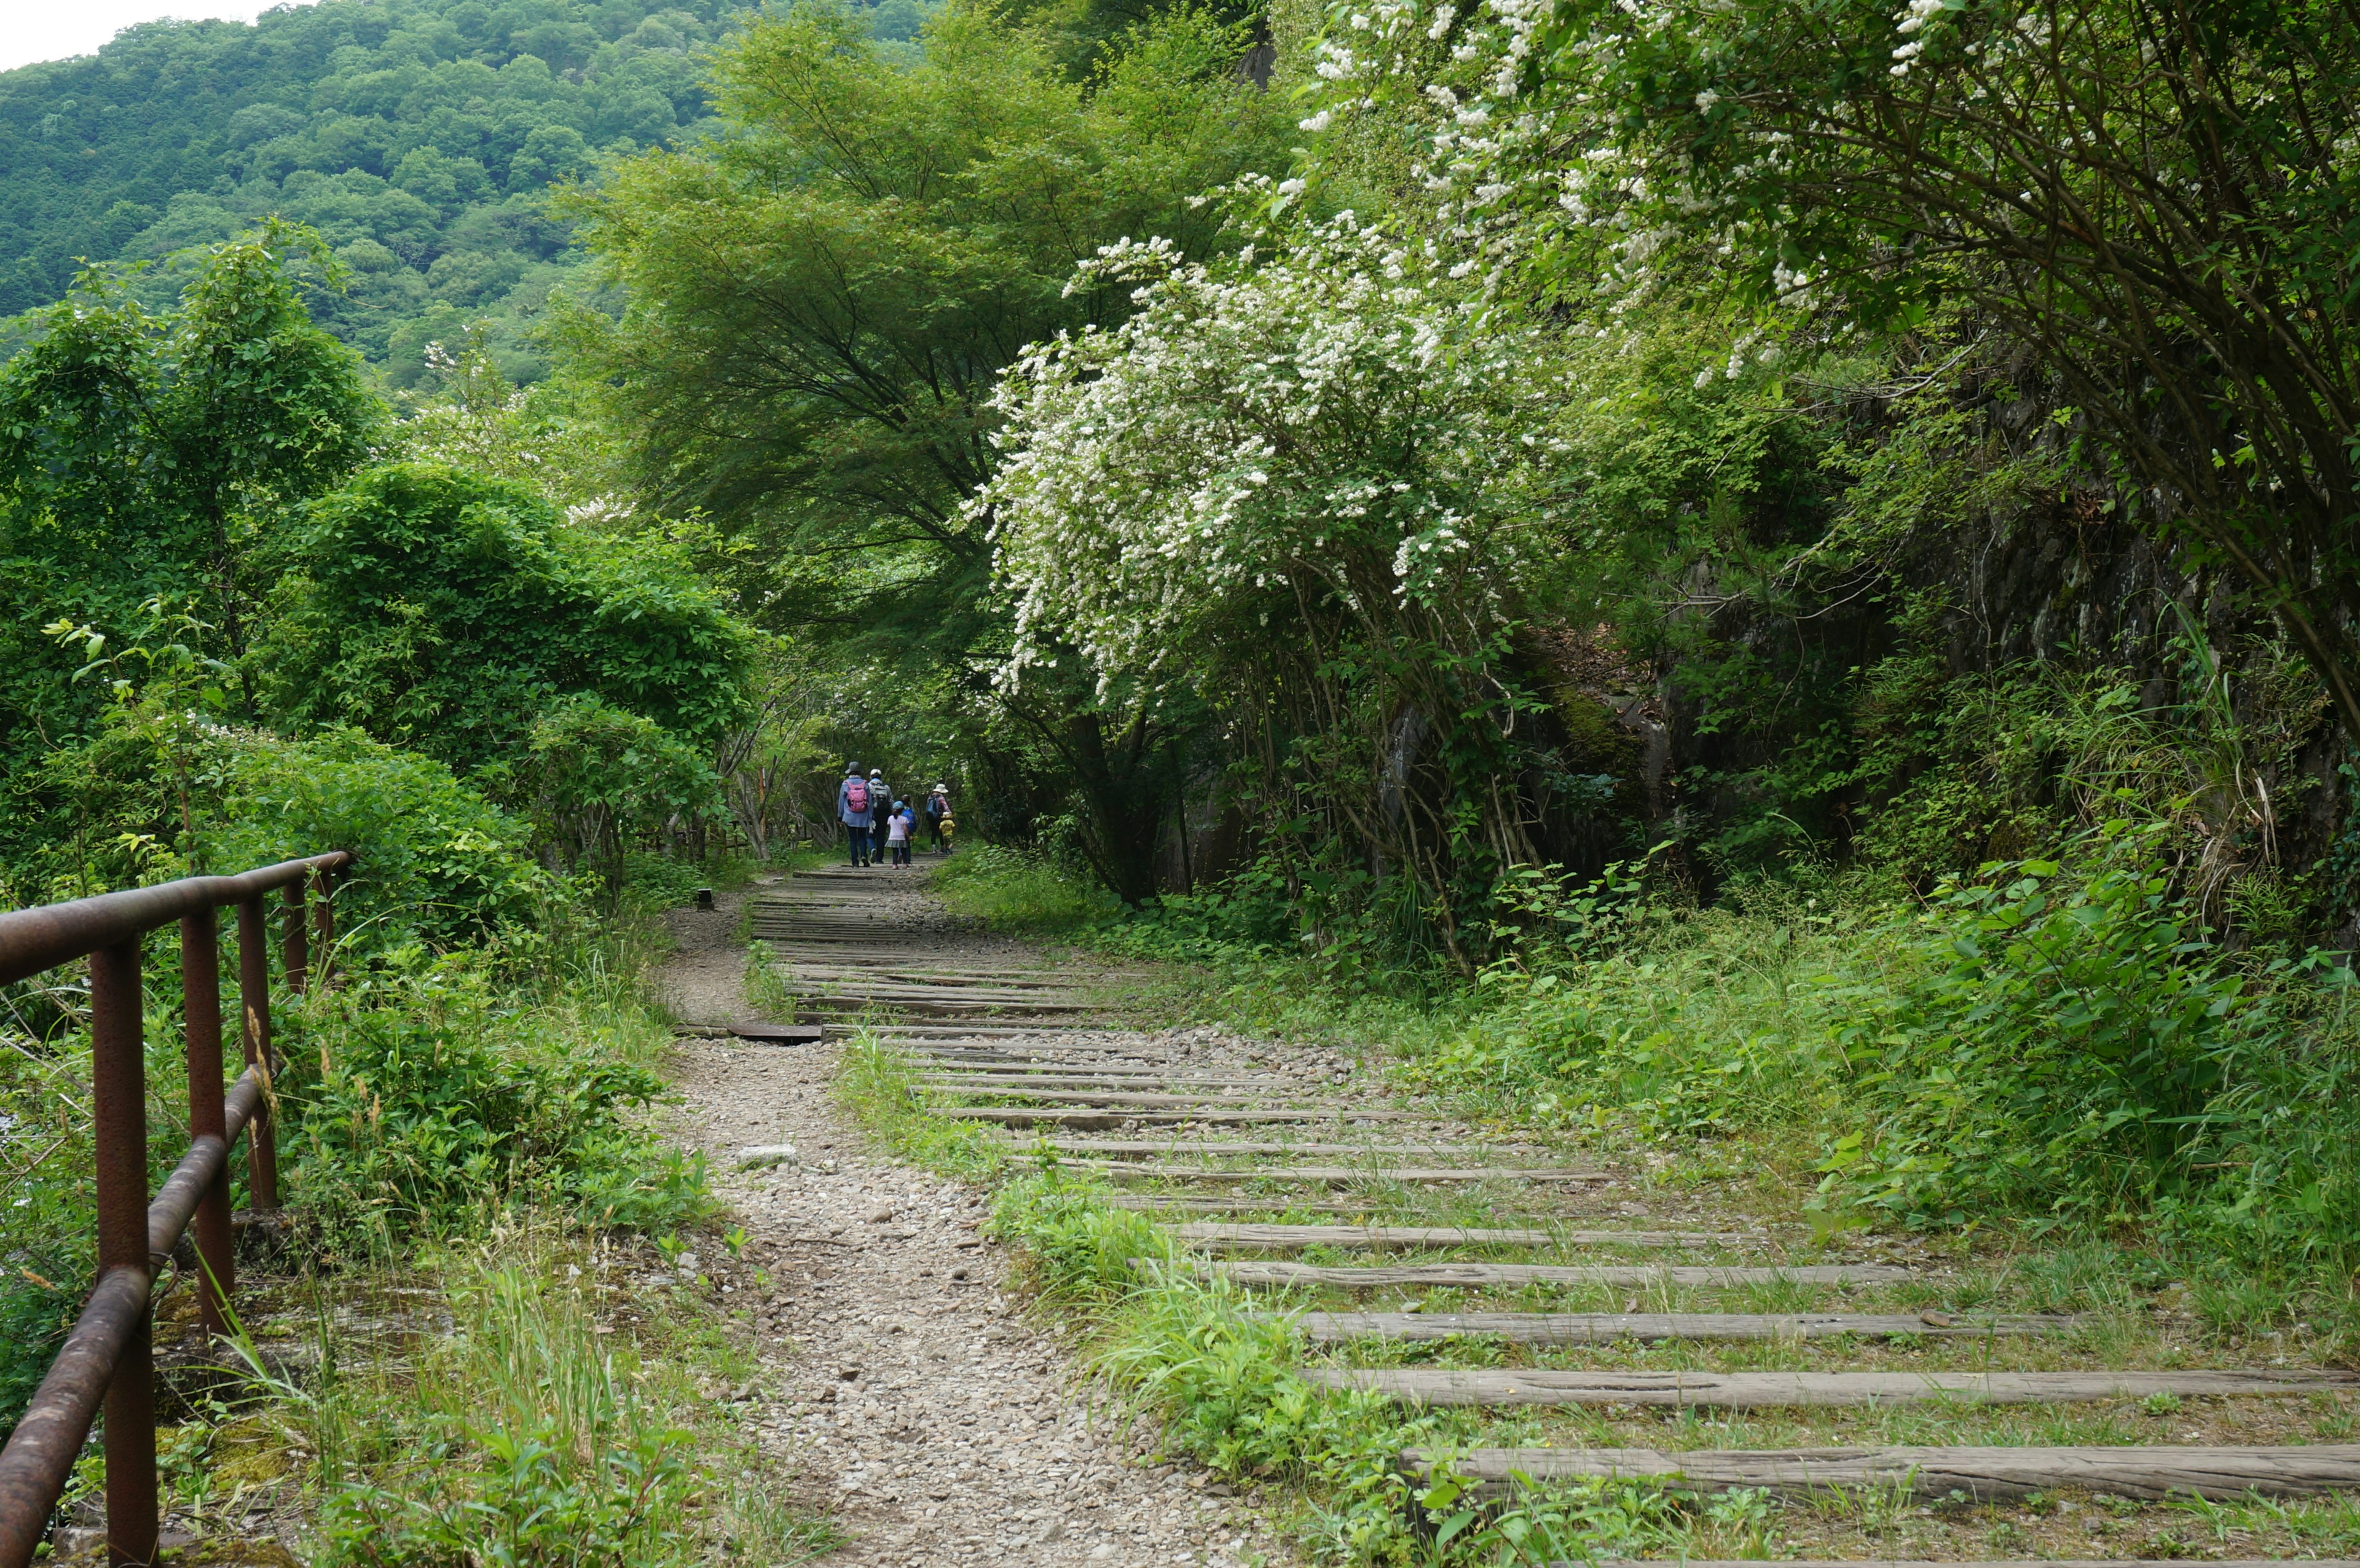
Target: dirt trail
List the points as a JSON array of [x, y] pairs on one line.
[[936, 1420]]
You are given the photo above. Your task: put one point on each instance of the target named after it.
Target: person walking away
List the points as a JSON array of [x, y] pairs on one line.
[[897, 832], [857, 809], [938, 806], [950, 832], [880, 795]]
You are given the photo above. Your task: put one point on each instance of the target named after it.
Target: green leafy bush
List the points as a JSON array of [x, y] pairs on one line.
[[437, 608], [419, 1096], [434, 863], [602, 777], [1081, 1248], [2064, 1049]]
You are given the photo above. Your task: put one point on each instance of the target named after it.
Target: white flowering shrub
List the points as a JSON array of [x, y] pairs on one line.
[[1300, 484], [1315, 442]]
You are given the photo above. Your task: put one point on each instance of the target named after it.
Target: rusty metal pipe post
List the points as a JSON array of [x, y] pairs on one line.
[[200, 1022], [324, 918], [254, 1003], [119, 1125], [293, 960]]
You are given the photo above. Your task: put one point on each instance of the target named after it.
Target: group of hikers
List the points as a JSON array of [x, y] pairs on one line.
[[877, 825]]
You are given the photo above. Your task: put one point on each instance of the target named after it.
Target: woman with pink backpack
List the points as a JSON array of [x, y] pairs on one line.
[[857, 809]]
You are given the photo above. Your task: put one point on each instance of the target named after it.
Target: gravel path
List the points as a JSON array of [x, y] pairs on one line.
[[938, 1420]]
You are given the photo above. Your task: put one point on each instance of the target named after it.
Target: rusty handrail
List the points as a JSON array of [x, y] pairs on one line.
[[109, 1353]]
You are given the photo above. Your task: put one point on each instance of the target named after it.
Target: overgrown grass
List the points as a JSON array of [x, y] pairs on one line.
[[875, 1084], [528, 1432], [1016, 891], [2049, 1054]]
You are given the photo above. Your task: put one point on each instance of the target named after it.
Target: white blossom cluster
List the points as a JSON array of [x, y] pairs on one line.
[[1516, 168], [1319, 431], [1507, 169]]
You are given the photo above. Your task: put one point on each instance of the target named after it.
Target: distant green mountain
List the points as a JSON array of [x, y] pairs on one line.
[[418, 135]]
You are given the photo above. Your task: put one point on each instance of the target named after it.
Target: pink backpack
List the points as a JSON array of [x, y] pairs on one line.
[[856, 795]]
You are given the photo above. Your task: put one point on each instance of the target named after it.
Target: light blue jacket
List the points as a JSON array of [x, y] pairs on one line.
[[851, 817]]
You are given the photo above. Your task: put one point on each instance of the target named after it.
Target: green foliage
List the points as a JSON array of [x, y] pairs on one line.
[[141, 454], [528, 1438], [154, 795], [435, 608], [526, 1502], [47, 1224], [820, 303], [1015, 889], [467, 415], [1084, 1250], [1547, 1523], [876, 1086], [435, 864], [144, 461], [2064, 1058], [421, 1094], [419, 137], [2050, 1045], [602, 777], [1884, 195]]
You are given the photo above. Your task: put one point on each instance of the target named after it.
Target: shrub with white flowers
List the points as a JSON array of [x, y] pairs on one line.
[[1321, 436], [1302, 482]]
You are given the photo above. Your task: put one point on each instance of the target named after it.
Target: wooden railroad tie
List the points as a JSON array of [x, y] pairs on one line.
[[935, 1040], [1609, 1328], [1766, 1390], [1294, 1237], [1111, 1119], [1097, 1145], [1325, 1173], [1169, 1202], [1061, 1083], [1989, 1472], [1155, 1099], [1475, 1276]]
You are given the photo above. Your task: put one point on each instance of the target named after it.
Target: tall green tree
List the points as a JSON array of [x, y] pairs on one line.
[[822, 302], [143, 455]]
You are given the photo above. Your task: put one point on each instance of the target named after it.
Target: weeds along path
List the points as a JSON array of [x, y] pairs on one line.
[[900, 1385]]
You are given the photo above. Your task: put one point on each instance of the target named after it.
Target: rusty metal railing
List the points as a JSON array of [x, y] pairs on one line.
[[109, 1353]]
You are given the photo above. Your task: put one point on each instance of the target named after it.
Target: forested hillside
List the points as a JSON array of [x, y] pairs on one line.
[[419, 137]]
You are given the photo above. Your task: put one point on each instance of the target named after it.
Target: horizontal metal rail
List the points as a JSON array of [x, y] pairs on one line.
[[108, 1357]]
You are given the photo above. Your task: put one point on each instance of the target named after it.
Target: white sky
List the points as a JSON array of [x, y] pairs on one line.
[[54, 30]]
